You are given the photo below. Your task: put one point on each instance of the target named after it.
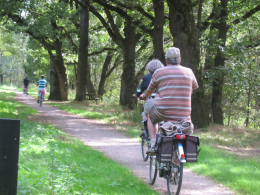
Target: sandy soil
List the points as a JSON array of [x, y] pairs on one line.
[[119, 148]]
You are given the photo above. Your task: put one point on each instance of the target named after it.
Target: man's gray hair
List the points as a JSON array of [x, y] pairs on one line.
[[173, 62], [153, 65]]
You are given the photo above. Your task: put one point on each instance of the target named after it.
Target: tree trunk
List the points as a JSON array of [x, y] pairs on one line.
[[158, 42], [101, 89], [219, 62], [185, 37], [83, 66], [54, 84], [128, 75], [61, 71]]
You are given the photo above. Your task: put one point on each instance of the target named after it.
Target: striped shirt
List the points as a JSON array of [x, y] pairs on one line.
[[42, 83], [173, 97]]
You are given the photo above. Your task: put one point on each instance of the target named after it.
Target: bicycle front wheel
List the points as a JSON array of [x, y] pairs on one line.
[[174, 179], [153, 169], [145, 146]]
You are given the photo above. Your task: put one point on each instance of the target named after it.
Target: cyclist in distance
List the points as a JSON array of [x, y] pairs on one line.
[[25, 84], [42, 84], [152, 66], [174, 84]]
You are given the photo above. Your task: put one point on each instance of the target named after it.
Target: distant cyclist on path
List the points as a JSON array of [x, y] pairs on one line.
[[42, 84], [25, 83]]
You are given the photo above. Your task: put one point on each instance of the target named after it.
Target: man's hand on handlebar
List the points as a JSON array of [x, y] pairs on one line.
[[142, 97]]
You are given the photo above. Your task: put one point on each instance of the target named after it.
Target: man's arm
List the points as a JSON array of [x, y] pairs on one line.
[[146, 94], [151, 88]]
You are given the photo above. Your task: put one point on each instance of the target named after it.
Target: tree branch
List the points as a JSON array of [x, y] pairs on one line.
[[102, 50], [123, 14], [134, 8], [119, 37], [93, 10], [247, 15]]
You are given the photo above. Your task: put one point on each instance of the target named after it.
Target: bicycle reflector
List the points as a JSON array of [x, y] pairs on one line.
[[180, 136], [182, 155]]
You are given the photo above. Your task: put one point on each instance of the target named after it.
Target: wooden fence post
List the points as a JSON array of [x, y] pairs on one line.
[[9, 155]]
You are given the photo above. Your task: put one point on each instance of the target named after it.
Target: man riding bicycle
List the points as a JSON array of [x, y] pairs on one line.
[[174, 84], [42, 84], [25, 84]]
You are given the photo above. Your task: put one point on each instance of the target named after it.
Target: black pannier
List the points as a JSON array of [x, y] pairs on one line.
[[191, 148], [164, 147]]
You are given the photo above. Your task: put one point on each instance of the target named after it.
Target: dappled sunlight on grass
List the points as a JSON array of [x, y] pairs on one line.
[[227, 169], [229, 136], [12, 109]]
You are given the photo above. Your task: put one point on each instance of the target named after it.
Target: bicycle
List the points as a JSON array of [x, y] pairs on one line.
[[25, 90], [145, 146], [173, 171], [171, 153], [41, 97]]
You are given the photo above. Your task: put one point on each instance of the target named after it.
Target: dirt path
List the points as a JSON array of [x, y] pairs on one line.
[[119, 148]]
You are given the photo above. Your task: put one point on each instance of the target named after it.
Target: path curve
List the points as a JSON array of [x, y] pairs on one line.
[[119, 148]]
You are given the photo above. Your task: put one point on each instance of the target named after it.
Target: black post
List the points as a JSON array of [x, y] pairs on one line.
[[9, 155]]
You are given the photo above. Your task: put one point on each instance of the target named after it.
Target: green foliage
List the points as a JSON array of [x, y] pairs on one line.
[[21, 55], [12, 57]]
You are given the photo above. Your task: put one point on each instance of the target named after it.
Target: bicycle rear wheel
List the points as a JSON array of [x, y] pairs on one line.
[[153, 169], [41, 100], [145, 147], [174, 179]]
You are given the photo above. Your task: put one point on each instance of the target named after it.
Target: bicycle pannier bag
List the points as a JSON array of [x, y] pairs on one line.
[[164, 148], [191, 148]]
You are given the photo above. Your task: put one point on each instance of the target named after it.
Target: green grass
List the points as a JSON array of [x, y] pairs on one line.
[[11, 109], [50, 162], [239, 174], [53, 163]]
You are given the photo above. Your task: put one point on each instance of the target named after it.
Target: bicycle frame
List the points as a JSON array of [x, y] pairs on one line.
[[179, 145], [41, 98]]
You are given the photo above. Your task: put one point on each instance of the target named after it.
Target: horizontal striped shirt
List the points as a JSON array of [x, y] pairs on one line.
[[174, 84], [42, 83]]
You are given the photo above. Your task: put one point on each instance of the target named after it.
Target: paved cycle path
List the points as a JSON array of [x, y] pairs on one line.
[[118, 147]]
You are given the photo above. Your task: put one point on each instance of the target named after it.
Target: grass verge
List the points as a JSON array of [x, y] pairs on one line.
[[50, 162]]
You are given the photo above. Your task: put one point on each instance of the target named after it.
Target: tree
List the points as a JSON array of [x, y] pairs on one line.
[[185, 37], [83, 69]]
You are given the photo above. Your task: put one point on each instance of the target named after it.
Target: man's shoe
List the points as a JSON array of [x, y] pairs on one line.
[[151, 151]]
